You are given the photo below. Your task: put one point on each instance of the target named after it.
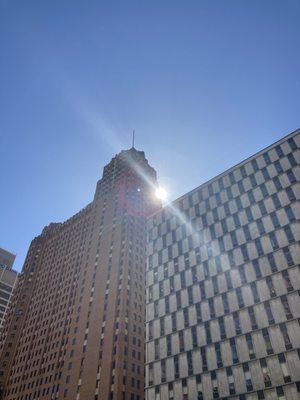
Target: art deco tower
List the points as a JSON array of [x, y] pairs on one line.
[[76, 327]]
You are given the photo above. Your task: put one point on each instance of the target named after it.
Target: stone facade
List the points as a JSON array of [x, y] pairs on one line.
[[76, 327]]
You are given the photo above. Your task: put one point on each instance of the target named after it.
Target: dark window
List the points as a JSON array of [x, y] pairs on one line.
[[259, 247], [219, 355], [250, 346], [208, 334], [237, 324], [254, 292], [234, 353], [222, 327], [287, 280], [257, 269], [247, 232], [204, 360], [273, 240], [291, 176], [286, 307], [289, 234], [252, 318], [271, 286], [286, 337], [225, 303], [240, 297], [290, 213], [266, 337]]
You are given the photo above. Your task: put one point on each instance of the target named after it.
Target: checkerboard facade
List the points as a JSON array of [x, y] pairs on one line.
[[223, 285]]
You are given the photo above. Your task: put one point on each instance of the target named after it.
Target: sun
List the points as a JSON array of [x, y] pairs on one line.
[[161, 193]]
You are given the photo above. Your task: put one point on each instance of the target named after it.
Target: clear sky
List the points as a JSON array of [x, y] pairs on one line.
[[205, 84]]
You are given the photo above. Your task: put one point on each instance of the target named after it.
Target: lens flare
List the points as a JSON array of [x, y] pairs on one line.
[[161, 193]]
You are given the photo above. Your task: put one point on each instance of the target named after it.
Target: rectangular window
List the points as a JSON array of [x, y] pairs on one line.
[[269, 312], [260, 226], [286, 338], [259, 247], [186, 317], [176, 367], [222, 327], [235, 358], [245, 252], [286, 307], [203, 357], [276, 201], [228, 279], [212, 308], [198, 313], [272, 262], [288, 283], [289, 234], [270, 286], [190, 363], [291, 176], [194, 336], [284, 368], [255, 292], [174, 324], [169, 345], [256, 269], [163, 371], [290, 194], [181, 341], [240, 297], [268, 344], [288, 256], [237, 324], [247, 232], [250, 346], [207, 332], [225, 303], [248, 379], [218, 355], [167, 305], [252, 317]]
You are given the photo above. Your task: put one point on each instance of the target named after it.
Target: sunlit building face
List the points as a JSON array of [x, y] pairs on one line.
[[222, 276]]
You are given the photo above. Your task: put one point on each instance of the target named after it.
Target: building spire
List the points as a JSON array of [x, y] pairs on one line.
[[133, 134]]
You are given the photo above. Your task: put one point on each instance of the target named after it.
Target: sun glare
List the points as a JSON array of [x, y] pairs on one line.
[[161, 193]]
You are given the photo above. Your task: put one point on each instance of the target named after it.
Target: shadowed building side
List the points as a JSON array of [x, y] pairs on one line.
[[76, 330]]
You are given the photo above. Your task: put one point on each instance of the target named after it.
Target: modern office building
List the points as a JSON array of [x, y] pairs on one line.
[[8, 278], [76, 328], [223, 284]]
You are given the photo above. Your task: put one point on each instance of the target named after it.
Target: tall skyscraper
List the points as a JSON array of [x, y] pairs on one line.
[[76, 328], [223, 284], [8, 278]]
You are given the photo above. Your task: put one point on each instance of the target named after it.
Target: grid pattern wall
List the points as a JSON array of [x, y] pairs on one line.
[[76, 326], [7, 282], [223, 281]]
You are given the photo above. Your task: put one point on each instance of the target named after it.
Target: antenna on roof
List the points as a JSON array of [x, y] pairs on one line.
[[133, 134]]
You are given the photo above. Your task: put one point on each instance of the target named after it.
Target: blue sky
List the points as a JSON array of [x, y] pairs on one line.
[[204, 84]]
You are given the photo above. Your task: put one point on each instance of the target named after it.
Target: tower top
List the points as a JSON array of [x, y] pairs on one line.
[[133, 137]]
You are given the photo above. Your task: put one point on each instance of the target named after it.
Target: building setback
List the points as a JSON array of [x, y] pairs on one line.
[[8, 278], [223, 283], [76, 327]]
